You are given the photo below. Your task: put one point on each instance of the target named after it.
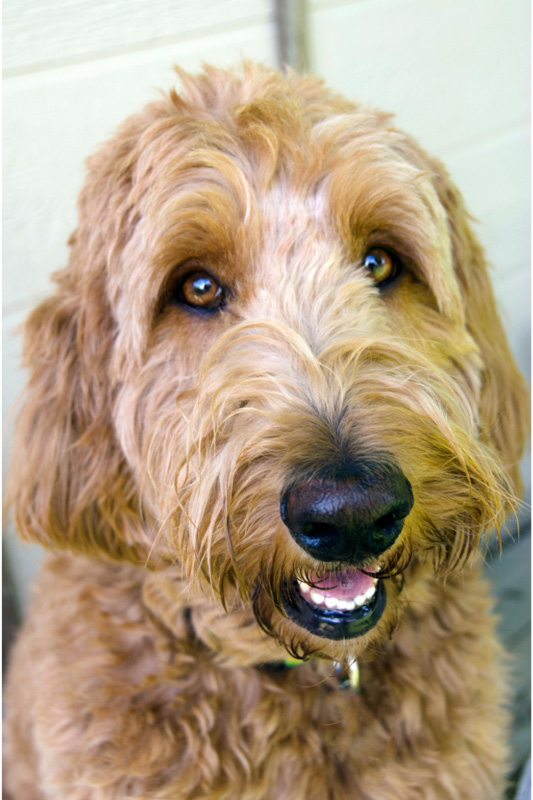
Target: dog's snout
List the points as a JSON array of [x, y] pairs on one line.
[[348, 519]]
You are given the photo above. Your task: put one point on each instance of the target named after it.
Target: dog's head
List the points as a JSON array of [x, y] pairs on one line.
[[274, 358]]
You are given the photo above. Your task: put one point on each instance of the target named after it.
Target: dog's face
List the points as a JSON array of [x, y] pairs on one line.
[[274, 358]]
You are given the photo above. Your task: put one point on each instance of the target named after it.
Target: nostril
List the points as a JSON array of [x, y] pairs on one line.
[[319, 529], [320, 534], [387, 521], [393, 517]]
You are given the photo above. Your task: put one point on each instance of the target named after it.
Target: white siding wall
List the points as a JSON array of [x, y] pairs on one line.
[[455, 71]]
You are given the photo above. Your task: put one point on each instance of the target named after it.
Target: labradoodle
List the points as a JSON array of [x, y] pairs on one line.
[[271, 412]]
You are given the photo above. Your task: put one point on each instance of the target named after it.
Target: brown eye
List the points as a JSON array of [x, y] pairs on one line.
[[200, 290], [384, 266]]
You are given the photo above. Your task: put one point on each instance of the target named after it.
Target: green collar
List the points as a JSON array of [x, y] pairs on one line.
[[348, 675]]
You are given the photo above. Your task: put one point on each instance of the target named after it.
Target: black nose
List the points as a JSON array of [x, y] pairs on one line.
[[348, 519]]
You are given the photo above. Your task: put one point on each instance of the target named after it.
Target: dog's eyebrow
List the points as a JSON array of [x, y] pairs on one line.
[[368, 192], [198, 214], [199, 168]]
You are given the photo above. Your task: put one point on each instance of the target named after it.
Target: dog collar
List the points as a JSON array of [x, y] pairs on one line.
[[348, 675]]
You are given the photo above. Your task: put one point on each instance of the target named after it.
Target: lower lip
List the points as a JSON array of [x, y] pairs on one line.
[[331, 623]]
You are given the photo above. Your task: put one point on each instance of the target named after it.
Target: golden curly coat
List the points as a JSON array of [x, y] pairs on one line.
[[269, 286]]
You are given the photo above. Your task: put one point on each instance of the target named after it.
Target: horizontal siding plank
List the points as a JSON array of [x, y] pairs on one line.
[[44, 166], [38, 34], [452, 71]]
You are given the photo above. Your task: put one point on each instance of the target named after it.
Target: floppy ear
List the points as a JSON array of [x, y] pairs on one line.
[[505, 409], [69, 484]]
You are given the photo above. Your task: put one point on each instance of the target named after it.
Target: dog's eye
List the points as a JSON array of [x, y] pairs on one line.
[[384, 266], [200, 290]]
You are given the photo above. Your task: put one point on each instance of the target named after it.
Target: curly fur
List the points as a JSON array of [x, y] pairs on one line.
[[154, 444]]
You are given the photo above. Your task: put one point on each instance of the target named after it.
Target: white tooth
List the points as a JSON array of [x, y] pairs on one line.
[[316, 597], [350, 605], [331, 602], [304, 587], [360, 599], [370, 592], [343, 604]]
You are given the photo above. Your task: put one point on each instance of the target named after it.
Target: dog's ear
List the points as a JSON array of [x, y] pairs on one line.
[[504, 407], [69, 484]]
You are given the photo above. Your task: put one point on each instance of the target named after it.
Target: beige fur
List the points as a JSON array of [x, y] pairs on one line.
[[155, 442]]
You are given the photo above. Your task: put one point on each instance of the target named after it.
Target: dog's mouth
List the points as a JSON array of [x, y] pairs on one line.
[[339, 605]]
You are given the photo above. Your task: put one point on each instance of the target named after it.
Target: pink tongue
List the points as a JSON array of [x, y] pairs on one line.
[[344, 585]]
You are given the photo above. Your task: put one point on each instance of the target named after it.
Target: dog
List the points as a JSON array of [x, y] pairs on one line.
[[271, 416]]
